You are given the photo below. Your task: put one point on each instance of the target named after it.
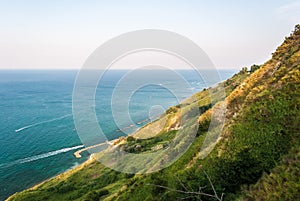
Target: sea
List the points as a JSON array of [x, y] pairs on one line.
[[38, 136]]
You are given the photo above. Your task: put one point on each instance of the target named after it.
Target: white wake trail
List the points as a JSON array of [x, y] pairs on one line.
[[46, 155], [40, 156], [42, 122]]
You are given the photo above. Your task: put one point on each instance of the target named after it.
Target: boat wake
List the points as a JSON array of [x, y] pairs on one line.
[[40, 156], [42, 122]]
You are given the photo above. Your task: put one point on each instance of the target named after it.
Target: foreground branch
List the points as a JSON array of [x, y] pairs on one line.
[[199, 193]]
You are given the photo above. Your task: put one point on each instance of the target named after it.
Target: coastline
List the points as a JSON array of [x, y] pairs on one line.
[[118, 140], [152, 121], [114, 142], [59, 176], [149, 122]]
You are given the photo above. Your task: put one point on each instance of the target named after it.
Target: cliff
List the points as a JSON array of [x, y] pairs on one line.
[[257, 155]]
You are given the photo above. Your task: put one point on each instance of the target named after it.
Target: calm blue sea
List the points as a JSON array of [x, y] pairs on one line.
[[37, 132]]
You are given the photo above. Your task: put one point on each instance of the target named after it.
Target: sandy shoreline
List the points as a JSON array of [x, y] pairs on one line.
[[77, 154], [91, 158], [65, 173]]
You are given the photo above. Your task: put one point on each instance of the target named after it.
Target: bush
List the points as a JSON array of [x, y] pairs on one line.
[[96, 195]]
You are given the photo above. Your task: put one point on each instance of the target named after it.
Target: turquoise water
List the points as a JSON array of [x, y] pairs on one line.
[[37, 132]]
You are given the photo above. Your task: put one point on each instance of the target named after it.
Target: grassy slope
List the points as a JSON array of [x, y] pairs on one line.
[[283, 181], [257, 157]]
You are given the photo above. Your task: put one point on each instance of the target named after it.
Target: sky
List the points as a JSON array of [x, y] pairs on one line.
[[61, 34]]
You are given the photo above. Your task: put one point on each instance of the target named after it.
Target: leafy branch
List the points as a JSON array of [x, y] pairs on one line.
[[196, 194]]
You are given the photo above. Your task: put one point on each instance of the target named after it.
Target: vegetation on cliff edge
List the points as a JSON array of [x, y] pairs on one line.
[[257, 156]]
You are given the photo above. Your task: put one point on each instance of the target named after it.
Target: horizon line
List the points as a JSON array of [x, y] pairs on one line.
[[75, 69]]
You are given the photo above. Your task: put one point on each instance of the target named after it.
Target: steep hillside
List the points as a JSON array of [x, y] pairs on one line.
[[256, 157]]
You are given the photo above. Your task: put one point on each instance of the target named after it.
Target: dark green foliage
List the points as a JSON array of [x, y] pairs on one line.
[[62, 188], [282, 184], [95, 195], [254, 68], [130, 139], [204, 108], [203, 126], [243, 168], [171, 110], [142, 145], [257, 158], [244, 70]]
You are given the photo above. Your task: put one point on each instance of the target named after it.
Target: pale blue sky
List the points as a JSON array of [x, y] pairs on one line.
[[61, 34]]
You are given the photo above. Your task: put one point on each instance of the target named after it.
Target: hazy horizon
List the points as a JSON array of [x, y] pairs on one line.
[[62, 34]]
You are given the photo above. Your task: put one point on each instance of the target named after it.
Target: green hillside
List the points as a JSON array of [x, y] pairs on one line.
[[257, 156]]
